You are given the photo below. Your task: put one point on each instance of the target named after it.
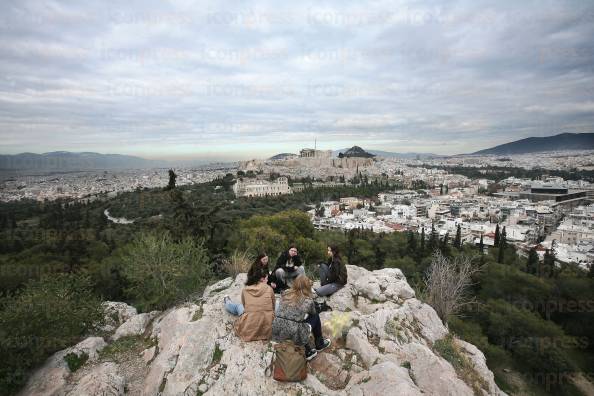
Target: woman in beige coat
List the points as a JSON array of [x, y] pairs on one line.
[[256, 311]]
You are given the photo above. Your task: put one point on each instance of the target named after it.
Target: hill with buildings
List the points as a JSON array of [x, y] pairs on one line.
[[283, 156], [389, 154], [561, 142]]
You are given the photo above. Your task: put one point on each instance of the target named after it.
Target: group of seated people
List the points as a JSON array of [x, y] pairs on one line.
[[293, 316]]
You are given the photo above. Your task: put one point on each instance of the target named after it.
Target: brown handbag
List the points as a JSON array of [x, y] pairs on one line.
[[288, 363]]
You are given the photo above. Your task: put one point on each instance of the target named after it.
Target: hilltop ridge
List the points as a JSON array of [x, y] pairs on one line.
[[385, 341]]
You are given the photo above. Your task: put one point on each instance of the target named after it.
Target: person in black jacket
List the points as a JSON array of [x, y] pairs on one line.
[[333, 275], [288, 267]]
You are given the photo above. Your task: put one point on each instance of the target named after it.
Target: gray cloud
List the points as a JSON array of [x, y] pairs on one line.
[[182, 78]]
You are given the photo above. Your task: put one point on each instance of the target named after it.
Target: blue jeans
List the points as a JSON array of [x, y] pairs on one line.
[[237, 309], [234, 308], [327, 289]]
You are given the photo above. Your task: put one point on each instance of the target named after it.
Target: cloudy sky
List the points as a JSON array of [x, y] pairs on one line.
[[198, 79]]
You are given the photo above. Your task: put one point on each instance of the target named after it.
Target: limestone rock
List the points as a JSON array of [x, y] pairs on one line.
[[136, 325], [102, 380], [479, 362], [433, 374], [52, 377], [329, 369], [357, 341], [148, 354], [383, 379], [117, 313]]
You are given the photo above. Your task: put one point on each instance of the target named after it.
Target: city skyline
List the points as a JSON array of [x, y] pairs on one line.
[[184, 81]]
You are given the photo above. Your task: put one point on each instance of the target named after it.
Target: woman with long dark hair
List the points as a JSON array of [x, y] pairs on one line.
[[262, 260], [333, 274]]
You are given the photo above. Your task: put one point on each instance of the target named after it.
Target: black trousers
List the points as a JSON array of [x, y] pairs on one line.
[[316, 329]]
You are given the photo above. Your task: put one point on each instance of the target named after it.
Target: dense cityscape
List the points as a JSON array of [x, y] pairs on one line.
[[544, 212]]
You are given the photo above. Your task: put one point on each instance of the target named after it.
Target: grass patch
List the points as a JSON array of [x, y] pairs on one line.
[[217, 354], [75, 361], [447, 348], [118, 349], [198, 314]]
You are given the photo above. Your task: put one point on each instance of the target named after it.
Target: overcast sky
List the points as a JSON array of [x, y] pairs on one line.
[[190, 79]]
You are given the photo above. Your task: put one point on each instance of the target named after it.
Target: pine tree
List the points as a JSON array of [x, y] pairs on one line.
[[496, 244], [458, 239], [533, 262]]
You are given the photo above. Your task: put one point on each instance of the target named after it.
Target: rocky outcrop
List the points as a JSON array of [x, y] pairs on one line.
[[383, 343]]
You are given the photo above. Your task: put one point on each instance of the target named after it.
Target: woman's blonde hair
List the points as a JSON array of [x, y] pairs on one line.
[[299, 291]]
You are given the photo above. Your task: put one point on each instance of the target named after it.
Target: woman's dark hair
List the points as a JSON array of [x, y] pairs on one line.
[[335, 253], [258, 260], [255, 274]]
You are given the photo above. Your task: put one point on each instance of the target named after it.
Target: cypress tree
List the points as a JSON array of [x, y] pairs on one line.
[[502, 244], [497, 235], [423, 239], [433, 238], [533, 262], [412, 243], [458, 239], [549, 264], [481, 245]]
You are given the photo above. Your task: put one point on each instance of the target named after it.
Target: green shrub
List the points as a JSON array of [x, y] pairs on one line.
[[75, 361], [48, 315], [161, 272]]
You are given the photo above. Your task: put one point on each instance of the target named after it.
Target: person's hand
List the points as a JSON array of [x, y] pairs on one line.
[[273, 285]]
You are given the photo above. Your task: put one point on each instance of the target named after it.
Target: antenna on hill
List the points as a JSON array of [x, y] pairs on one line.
[[315, 143]]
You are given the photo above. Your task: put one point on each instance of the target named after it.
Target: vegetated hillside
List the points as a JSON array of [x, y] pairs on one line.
[[563, 141]]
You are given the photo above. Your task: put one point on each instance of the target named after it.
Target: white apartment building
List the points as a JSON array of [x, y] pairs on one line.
[[261, 188]]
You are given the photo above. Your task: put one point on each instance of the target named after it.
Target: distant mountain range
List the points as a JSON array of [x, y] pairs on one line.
[[561, 142], [71, 161]]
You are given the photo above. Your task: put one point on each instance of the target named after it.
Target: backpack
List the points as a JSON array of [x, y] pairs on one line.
[[288, 363]]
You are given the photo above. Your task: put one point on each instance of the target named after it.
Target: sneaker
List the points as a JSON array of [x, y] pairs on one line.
[[312, 353], [324, 345]]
